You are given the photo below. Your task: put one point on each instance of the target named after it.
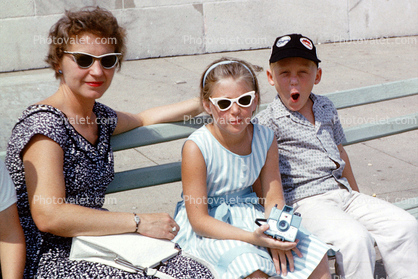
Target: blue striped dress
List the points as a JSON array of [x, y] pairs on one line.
[[230, 198]]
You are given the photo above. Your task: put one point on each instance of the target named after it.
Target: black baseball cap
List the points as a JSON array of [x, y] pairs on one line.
[[293, 45]]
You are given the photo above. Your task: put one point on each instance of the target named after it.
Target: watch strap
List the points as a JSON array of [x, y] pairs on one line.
[[137, 221]]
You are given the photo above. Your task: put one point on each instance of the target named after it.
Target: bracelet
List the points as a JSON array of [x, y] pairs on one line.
[[137, 221]]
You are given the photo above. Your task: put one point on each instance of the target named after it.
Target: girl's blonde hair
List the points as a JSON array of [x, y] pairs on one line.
[[225, 68]]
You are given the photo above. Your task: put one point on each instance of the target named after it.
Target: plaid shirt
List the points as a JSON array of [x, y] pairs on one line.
[[310, 162]]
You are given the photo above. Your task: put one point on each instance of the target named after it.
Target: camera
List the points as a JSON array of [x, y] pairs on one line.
[[284, 224]]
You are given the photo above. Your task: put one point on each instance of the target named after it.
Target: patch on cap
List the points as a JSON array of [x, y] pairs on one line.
[[307, 43], [283, 41]]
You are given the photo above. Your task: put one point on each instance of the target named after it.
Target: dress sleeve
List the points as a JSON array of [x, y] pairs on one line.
[[43, 122]]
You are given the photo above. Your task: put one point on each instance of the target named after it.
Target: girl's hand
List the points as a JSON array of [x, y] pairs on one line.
[[281, 251], [158, 225], [261, 239]]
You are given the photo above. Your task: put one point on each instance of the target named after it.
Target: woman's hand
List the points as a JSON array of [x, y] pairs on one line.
[[158, 225], [281, 251]]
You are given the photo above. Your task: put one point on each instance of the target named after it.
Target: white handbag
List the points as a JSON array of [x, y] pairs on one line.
[[131, 252]]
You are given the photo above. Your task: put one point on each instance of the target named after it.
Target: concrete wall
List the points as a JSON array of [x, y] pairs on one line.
[[166, 28]]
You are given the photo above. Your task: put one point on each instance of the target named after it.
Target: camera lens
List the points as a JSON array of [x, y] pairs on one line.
[[283, 225]]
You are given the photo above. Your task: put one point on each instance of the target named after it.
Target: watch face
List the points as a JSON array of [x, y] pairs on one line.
[[137, 220]]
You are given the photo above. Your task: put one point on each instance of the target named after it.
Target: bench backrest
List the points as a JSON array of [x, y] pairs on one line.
[[166, 173]]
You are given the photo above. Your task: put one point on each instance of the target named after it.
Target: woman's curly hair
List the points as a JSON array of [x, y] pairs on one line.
[[94, 20]]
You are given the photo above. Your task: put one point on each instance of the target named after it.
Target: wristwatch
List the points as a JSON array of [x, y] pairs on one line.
[[137, 221]]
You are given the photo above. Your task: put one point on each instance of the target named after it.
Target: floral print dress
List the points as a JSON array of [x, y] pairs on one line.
[[88, 169]]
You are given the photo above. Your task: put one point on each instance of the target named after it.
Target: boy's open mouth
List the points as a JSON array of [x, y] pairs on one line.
[[295, 96]]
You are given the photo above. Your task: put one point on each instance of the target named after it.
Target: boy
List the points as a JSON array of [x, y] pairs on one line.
[[316, 174]]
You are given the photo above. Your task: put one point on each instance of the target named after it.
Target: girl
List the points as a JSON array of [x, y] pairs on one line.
[[221, 161]]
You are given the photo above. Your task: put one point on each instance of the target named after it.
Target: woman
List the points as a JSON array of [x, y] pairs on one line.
[[61, 162]]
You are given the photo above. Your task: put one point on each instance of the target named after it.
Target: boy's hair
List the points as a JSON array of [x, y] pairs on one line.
[[293, 45], [224, 68], [94, 20]]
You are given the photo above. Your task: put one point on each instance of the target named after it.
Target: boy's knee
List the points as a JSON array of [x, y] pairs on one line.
[[404, 226], [357, 238], [410, 226], [411, 220]]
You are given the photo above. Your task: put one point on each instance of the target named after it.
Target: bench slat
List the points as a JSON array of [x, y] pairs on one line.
[[374, 93], [408, 204], [145, 177], [157, 133], [387, 127]]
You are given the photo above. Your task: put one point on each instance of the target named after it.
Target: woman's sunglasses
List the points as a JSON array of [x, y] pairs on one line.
[[85, 60], [223, 104]]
